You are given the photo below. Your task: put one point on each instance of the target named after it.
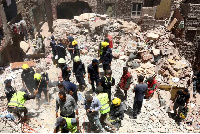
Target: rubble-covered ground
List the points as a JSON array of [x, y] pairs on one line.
[[145, 53]]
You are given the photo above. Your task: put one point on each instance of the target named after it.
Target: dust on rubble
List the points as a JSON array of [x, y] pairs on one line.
[[145, 53]]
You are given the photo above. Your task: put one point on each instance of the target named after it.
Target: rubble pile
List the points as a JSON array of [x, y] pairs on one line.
[[145, 53]]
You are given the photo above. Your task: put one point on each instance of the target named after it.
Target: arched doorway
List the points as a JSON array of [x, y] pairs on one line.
[[67, 10]]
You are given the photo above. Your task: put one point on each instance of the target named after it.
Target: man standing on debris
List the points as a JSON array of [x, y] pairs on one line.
[[53, 46], [106, 82], [92, 106], [28, 77], [71, 89], [70, 46], [152, 86], [40, 41], [181, 100], [41, 82], [66, 72], [67, 125], [103, 97], [17, 101], [9, 90], [93, 73], [125, 81], [110, 39], [79, 72], [139, 90], [106, 57], [76, 51], [67, 105], [60, 48], [102, 45]]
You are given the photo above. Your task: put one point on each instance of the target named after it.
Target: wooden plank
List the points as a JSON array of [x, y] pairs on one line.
[[17, 65], [172, 24]]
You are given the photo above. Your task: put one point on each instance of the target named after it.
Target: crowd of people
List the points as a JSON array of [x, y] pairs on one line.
[[101, 109]]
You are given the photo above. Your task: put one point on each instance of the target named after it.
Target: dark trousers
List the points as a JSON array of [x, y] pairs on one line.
[[38, 95], [70, 116], [80, 80], [18, 110], [137, 107], [92, 83], [72, 55]]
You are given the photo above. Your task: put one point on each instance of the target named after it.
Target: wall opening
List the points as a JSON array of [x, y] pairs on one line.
[[67, 10]]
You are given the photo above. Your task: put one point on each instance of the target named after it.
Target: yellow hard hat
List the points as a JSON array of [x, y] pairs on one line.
[[61, 60], [74, 42], [25, 66], [105, 44], [77, 58], [37, 76], [116, 101]]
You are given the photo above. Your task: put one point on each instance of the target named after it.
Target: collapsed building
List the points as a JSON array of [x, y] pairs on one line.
[[168, 30]]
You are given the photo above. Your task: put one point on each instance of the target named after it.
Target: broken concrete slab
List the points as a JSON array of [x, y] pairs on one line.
[[17, 65]]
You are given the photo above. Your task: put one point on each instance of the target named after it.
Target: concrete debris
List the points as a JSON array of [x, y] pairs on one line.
[[145, 53]]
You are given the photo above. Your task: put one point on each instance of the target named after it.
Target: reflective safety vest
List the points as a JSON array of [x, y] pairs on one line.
[[101, 50], [106, 82], [103, 97], [17, 99], [70, 127]]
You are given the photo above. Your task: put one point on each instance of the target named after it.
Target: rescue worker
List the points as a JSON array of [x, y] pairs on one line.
[[152, 86], [93, 74], [16, 104], [53, 46], [76, 51], [60, 49], [70, 46], [92, 105], [104, 43], [9, 90], [70, 88], [66, 72], [110, 39], [125, 81], [105, 109], [181, 101], [67, 125], [106, 82], [28, 78], [41, 82], [40, 43], [79, 72], [116, 113], [106, 57]]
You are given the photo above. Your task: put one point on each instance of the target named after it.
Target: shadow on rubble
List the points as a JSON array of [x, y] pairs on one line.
[[86, 127], [119, 94], [33, 114], [129, 112]]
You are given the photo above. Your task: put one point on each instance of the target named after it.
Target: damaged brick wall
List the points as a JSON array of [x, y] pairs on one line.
[[55, 3]]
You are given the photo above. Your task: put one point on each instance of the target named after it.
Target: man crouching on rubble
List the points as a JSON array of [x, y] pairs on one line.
[[16, 104], [67, 125]]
